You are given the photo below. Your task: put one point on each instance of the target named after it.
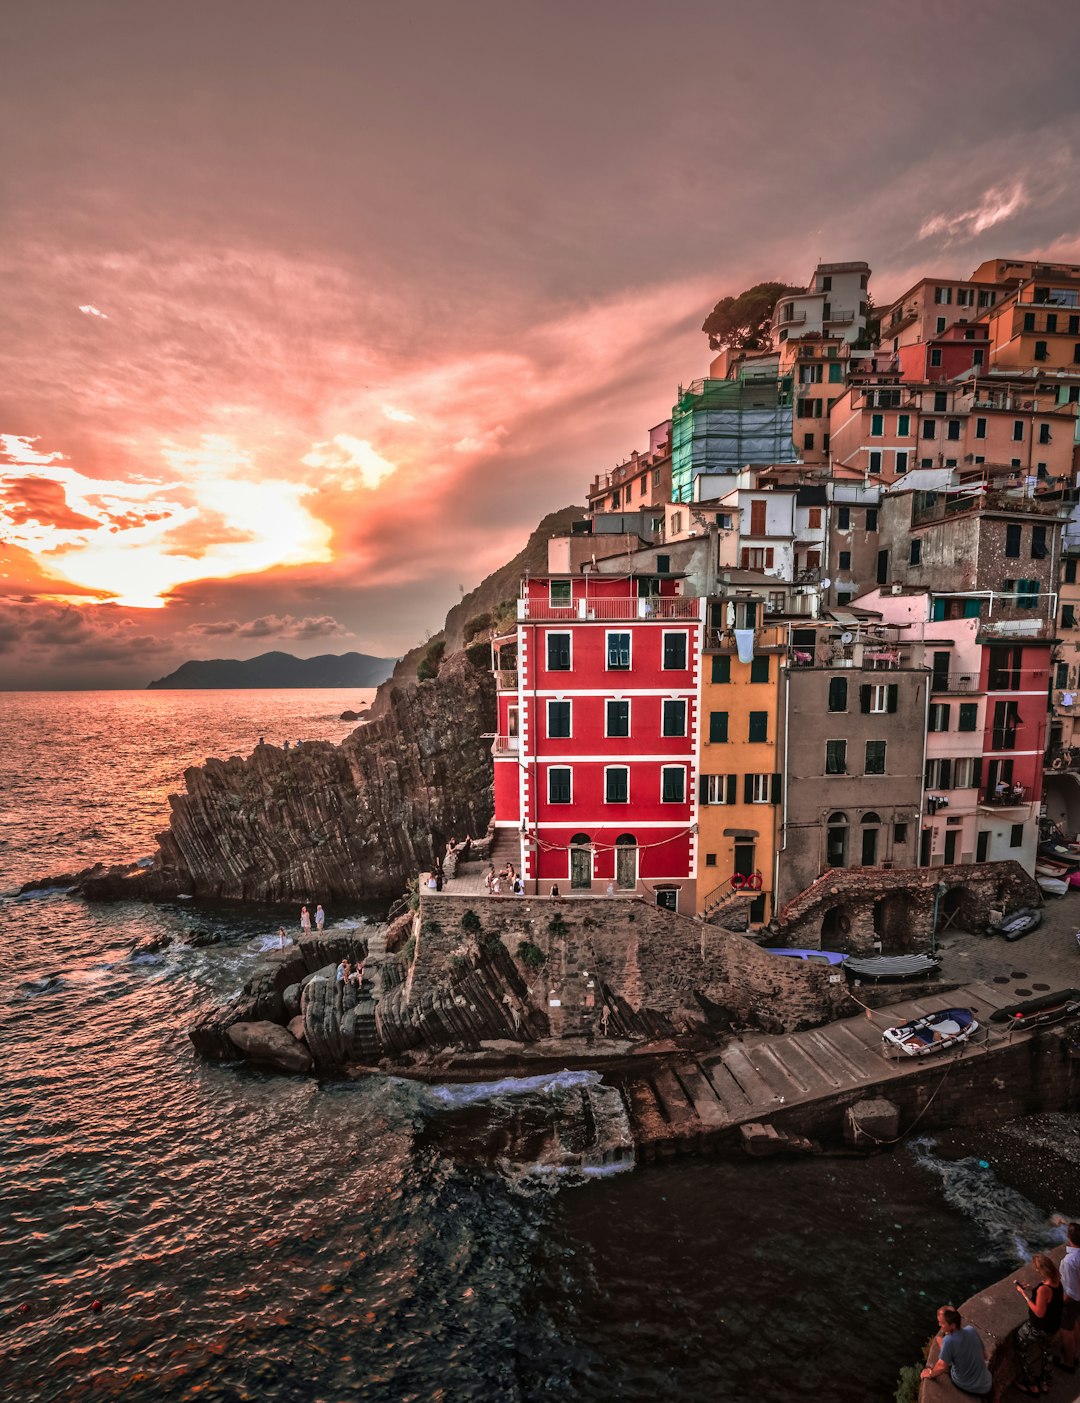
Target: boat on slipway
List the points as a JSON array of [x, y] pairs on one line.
[[827, 957], [1018, 923], [948, 1027]]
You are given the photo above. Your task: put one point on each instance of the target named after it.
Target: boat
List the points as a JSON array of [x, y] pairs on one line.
[[1047, 1008], [1053, 886], [892, 968], [949, 1027], [1068, 856], [828, 957], [1018, 923]]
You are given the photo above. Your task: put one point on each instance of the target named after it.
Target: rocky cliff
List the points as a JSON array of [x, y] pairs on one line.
[[348, 821]]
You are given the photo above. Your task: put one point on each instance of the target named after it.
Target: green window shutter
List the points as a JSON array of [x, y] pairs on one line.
[[703, 790], [969, 716], [894, 697], [836, 373], [759, 670], [732, 788], [864, 699], [718, 726], [976, 774], [776, 789], [759, 726], [721, 667], [748, 789]]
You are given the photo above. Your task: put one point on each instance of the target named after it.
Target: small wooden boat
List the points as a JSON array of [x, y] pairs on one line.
[[947, 1028], [1053, 886], [1018, 923], [891, 969], [828, 957]]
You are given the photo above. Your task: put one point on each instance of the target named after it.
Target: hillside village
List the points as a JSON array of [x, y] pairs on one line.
[[823, 628]]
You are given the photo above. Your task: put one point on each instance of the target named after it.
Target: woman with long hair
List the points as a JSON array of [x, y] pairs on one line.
[[1035, 1336]]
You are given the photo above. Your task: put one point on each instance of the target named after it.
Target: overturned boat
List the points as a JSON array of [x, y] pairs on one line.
[[826, 957], [949, 1027], [892, 969], [1018, 923]]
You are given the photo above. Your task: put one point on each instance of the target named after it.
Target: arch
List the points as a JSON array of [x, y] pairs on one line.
[[894, 923], [836, 840], [870, 817], [870, 824], [835, 922], [581, 862], [626, 861]]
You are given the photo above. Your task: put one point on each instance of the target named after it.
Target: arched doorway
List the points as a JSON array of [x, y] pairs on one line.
[[951, 909], [893, 923], [835, 925], [626, 860], [836, 840], [581, 862], [871, 827]]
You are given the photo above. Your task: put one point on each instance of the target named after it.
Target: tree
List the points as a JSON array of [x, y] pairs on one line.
[[742, 322]]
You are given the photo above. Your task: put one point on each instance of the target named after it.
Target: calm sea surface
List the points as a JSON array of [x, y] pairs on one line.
[[257, 1237]]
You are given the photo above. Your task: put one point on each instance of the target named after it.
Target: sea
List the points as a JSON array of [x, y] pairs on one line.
[[174, 1229]]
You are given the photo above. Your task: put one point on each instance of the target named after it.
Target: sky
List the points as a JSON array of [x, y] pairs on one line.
[[311, 311]]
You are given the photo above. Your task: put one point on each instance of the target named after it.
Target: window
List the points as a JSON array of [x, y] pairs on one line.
[[617, 718], [808, 408], [808, 441], [836, 757], [877, 425], [943, 295], [1044, 433], [836, 373], [1076, 354], [978, 356], [559, 787], [1016, 835], [899, 833], [757, 518], [559, 594], [915, 551], [1027, 594], [813, 518], [1038, 543], [980, 428], [843, 518], [969, 717], [939, 716], [875, 757], [875, 460], [759, 726], [758, 789], [663, 564], [618, 652], [558, 719], [674, 652], [903, 425], [1068, 616], [871, 516], [1029, 321], [718, 789], [953, 429], [1074, 326], [710, 859], [935, 357], [942, 322], [826, 282], [929, 428], [718, 727], [1006, 721], [879, 699], [1012, 539], [1070, 571], [673, 784], [941, 401], [668, 897], [838, 694], [721, 667], [674, 718], [558, 652], [1061, 675], [616, 784], [845, 560], [1018, 429], [1040, 351], [759, 670]]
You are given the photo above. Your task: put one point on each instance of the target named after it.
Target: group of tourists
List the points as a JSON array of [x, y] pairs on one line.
[[1053, 1318], [305, 919], [348, 973], [507, 880]]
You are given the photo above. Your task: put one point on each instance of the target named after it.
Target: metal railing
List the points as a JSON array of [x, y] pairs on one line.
[[1011, 798], [954, 682], [506, 679], [506, 745], [657, 606]]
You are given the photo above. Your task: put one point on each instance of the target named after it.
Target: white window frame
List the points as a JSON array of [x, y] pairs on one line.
[[963, 771], [761, 789], [559, 701], [567, 603], [672, 633], [612, 632], [550, 771], [663, 771], [558, 633], [674, 701], [716, 789], [608, 769], [879, 692], [622, 701]]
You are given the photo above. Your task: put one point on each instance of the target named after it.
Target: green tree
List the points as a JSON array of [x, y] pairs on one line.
[[742, 322]]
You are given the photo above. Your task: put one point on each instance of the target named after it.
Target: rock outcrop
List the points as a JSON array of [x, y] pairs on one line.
[[271, 1045], [349, 821]]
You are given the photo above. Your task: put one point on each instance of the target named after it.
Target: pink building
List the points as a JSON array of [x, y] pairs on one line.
[[596, 756]]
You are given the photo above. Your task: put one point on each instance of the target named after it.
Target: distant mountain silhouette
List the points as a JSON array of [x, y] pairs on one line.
[[279, 670]]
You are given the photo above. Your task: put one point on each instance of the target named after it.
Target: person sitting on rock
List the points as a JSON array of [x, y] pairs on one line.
[[356, 979], [962, 1354]]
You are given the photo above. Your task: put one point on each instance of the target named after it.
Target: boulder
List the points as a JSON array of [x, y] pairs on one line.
[[152, 944], [296, 1027], [272, 1045], [349, 716], [198, 938], [290, 997]]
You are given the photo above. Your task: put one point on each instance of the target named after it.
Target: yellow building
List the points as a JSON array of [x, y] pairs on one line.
[[740, 788]]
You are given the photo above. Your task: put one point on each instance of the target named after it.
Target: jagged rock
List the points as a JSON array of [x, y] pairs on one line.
[[349, 716], [270, 1044], [152, 944], [290, 997], [296, 1027], [198, 938], [322, 1024]]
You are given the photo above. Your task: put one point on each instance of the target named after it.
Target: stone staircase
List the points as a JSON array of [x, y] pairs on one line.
[[728, 908]]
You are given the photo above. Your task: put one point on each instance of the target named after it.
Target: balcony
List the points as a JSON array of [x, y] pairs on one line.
[[839, 315], [506, 680], [506, 745], [658, 607], [955, 682], [1000, 799], [790, 318]]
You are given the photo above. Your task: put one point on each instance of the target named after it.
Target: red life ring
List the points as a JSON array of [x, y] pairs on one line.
[[753, 883], [738, 881]]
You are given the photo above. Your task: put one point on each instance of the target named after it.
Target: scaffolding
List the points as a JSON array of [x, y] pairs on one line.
[[719, 426]]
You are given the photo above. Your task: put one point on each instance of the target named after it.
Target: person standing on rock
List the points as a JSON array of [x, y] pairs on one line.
[[305, 921], [320, 918]]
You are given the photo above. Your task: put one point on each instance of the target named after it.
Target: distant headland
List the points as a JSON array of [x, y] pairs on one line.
[[278, 670]]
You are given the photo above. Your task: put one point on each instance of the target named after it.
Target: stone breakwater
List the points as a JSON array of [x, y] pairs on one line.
[[349, 821]]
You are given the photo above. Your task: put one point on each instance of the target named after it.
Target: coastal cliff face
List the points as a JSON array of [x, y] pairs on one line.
[[335, 822]]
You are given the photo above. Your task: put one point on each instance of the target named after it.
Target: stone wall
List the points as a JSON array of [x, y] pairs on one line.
[[851, 908], [621, 966]]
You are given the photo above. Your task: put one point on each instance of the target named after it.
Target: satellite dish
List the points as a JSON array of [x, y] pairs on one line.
[[846, 637], [826, 582]]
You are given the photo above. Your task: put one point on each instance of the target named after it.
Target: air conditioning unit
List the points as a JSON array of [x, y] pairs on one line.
[[897, 589]]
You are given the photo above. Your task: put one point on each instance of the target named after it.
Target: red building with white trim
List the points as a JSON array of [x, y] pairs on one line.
[[596, 756]]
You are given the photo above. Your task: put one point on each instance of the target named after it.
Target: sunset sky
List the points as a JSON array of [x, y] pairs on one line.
[[310, 311]]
